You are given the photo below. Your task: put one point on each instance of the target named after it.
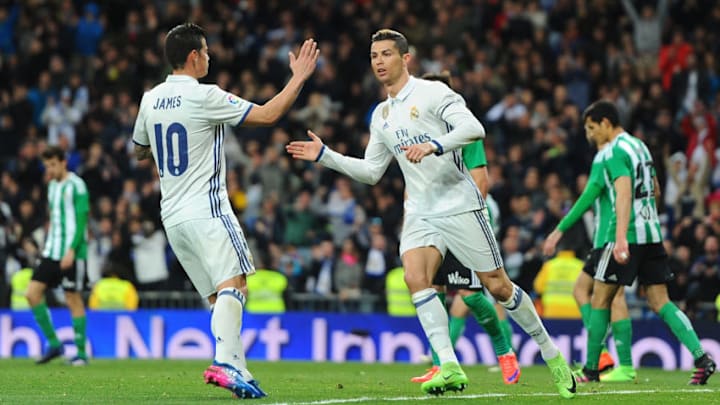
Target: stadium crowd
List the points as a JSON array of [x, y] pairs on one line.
[[73, 73]]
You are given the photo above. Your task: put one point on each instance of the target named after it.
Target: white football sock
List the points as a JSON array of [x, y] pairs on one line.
[[434, 321], [522, 311], [225, 323]]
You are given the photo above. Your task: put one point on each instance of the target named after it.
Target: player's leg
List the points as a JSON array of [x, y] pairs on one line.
[[458, 314], [622, 334], [483, 256], [597, 332], [435, 366], [608, 276], [456, 278], [582, 291], [232, 264], [46, 275], [216, 260], [484, 312], [439, 280], [433, 318], [73, 282], [438, 283], [504, 321], [683, 330], [654, 274], [421, 250]]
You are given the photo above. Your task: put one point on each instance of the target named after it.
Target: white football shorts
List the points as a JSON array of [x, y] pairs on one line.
[[211, 250], [467, 235]]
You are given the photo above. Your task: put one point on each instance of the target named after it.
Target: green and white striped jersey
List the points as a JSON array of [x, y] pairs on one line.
[[629, 156], [604, 204], [595, 195], [68, 203]]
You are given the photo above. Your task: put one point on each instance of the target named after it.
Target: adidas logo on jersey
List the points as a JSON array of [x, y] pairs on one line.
[[456, 278]]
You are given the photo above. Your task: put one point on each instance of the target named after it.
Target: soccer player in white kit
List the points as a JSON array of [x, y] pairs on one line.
[[180, 125], [428, 123]]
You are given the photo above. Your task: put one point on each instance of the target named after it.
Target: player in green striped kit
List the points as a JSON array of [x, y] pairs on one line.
[[634, 248], [63, 256], [595, 195]]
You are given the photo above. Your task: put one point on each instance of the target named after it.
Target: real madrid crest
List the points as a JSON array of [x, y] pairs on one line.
[[385, 112], [414, 113]]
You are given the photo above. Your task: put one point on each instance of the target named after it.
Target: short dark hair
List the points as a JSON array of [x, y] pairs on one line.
[[443, 76], [182, 40], [602, 109], [54, 152], [401, 42]]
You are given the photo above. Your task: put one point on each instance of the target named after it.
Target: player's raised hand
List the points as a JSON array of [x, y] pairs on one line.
[[303, 65], [306, 150]]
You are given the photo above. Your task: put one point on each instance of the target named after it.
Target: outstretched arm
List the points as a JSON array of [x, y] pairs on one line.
[[630, 9], [367, 170], [583, 203], [302, 67]]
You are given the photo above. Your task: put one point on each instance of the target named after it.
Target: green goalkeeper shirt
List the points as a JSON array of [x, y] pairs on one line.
[[595, 195], [629, 156]]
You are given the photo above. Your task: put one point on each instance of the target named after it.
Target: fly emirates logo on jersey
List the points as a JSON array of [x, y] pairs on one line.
[[403, 138]]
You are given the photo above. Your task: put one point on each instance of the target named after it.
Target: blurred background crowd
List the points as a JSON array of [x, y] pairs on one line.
[[73, 73]]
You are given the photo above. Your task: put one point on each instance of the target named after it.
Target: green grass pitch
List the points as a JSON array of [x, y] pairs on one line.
[[180, 382]]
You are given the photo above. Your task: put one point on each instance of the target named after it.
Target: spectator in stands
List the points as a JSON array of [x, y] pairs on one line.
[[348, 274], [555, 283], [345, 214], [377, 264], [19, 281], [705, 275], [399, 301], [61, 116], [679, 262], [647, 26], [300, 222], [322, 267], [113, 293], [265, 292], [673, 58], [148, 250]]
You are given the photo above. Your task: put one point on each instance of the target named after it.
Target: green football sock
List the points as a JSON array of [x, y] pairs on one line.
[[599, 319], [507, 331], [79, 325], [485, 314], [435, 359], [681, 328], [44, 320], [457, 328], [585, 315], [622, 334]]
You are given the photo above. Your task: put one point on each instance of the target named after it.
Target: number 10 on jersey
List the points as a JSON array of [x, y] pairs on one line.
[[175, 138]]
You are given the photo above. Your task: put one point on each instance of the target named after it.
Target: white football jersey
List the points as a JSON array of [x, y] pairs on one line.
[[182, 121], [422, 111]]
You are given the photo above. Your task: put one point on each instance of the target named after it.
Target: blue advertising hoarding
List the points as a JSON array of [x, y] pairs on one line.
[[181, 334]]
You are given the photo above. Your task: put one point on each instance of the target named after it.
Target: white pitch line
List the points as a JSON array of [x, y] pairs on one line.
[[495, 395]]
